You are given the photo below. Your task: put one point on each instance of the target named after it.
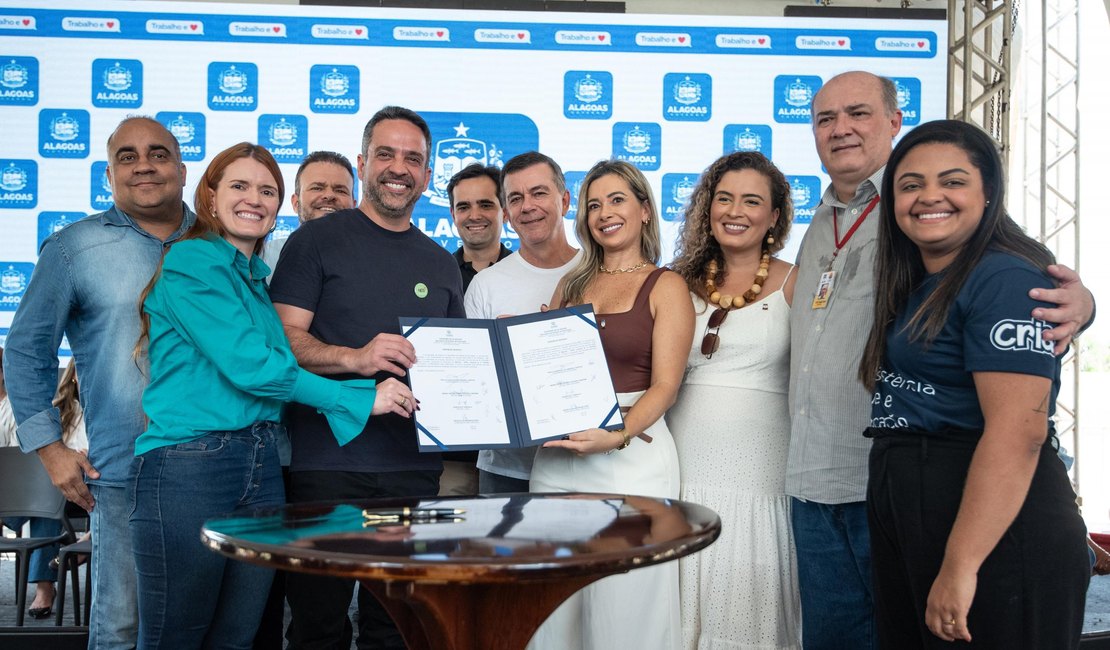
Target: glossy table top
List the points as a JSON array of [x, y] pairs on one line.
[[497, 538]]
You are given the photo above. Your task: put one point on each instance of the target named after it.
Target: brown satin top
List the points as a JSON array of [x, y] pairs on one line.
[[626, 338]]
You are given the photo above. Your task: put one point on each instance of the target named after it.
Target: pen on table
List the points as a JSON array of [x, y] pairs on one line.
[[413, 513]]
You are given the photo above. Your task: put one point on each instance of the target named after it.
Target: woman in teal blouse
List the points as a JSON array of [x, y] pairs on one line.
[[220, 371]]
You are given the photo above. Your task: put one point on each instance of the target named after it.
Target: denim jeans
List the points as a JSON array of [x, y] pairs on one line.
[[189, 596], [114, 619], [39, 569], [834, 575]]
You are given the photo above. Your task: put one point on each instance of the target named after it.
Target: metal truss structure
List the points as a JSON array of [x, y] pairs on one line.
[[1040, 140]]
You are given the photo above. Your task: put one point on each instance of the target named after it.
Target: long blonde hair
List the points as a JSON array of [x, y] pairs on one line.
[[67, 401], [584, 272]]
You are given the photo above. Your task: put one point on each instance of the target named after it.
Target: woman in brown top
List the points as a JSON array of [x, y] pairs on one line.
[[646, 321]]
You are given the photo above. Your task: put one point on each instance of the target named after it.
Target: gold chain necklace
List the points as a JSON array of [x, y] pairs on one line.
[[627, 269], [726, 301]]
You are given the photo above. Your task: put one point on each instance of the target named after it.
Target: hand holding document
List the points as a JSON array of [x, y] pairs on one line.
[[510, 382]]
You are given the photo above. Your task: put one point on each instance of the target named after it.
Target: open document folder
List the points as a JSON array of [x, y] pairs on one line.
[[509, 382]]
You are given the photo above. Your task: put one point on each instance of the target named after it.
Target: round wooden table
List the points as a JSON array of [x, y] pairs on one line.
[[484, 577]]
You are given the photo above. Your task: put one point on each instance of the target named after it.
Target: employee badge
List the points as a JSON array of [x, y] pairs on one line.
[[824, 290]]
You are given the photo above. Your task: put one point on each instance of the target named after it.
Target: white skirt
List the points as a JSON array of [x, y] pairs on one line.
[[639, 609]]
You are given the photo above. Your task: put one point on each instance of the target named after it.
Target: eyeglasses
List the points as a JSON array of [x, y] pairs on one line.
[[711, 341]]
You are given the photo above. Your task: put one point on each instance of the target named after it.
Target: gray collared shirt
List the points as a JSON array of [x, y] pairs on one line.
[[829, 407]]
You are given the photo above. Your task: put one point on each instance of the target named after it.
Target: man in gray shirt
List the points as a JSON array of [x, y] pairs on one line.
[[855, 120]]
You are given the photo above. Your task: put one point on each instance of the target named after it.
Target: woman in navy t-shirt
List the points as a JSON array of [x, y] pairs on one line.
[[974, 528]]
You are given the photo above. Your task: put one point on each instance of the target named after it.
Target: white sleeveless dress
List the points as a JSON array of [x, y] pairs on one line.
[[731, 427]]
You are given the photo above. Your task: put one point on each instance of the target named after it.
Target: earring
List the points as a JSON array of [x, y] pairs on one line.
[[770, 238], [273, 227], [988, 201]]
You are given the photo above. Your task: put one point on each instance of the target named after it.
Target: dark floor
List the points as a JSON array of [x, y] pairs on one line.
[[1097, 616]]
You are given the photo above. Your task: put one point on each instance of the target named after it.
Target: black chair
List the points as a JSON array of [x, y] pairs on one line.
[[26, 491], [67, 563]]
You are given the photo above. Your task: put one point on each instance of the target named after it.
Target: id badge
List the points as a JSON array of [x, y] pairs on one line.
[[824, 290]]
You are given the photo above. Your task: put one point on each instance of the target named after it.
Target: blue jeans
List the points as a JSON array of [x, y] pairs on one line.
[[114, 619], [189, 596], [39, 569], [834, 575]]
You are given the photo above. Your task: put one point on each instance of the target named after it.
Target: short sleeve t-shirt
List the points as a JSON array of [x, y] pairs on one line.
[[358, 279], [989, 329]]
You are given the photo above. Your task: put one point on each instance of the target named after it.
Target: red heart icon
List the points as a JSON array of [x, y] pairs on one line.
[[681, 39], [358, 32], [921, 43], [439, 33], [26, 21], [601, 37], [277, 29], [840, 42], [110, 24], [520, 35], [193, 27], [761, 41]]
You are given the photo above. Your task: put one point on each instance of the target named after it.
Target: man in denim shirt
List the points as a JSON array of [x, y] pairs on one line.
[[86, 285]]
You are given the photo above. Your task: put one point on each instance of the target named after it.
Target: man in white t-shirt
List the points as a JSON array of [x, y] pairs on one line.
[[536, 199]]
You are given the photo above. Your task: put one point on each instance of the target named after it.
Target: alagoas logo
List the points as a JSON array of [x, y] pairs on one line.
[[460, 139], [677, 190], [117, 83], [283, 227], [638, 143], [748, 137], [63, 133], [52, 222], [793, 95], [286, 136], [805, 193], [19, 80], [909, 99], [232, 86], [1021, 336], [687, 97], [588, 95], [188, 128], [574, 186], [19, 184], [333, 89], [100, 190], [14, 277]]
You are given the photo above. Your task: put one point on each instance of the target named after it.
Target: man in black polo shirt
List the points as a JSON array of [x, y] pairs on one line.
[[475, 197], [342, 283]]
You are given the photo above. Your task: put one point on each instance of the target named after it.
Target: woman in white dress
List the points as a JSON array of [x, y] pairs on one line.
[[731, 422], [646, 322]]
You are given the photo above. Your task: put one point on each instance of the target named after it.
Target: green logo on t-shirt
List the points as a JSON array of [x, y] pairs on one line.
[[421, 290]]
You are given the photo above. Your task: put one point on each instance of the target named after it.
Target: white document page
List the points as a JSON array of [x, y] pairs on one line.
[[455, 379]]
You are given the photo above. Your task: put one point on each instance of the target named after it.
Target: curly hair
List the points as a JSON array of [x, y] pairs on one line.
[[697, 246]]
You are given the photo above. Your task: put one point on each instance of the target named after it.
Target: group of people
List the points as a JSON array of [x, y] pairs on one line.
[[739, 390]]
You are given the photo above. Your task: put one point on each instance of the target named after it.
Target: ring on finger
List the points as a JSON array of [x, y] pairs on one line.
[[404, 401], [950, 622]]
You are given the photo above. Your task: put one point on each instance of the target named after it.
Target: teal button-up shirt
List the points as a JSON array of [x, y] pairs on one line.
[[219, 358]]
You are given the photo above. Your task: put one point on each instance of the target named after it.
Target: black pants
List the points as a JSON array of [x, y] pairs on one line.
[[319, 604], [1031, 588]]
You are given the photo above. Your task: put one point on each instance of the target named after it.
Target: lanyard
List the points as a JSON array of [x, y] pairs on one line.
[[855, 226]]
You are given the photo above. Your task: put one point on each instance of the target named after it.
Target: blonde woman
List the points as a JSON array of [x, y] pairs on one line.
[[646, 322]]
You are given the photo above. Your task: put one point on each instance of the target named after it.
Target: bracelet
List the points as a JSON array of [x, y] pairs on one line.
[[627, 439]]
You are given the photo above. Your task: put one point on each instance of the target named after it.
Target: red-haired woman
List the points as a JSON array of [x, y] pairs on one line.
[[220, 370]]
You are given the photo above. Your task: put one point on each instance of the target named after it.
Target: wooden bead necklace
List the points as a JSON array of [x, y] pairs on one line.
[[728, 302]]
